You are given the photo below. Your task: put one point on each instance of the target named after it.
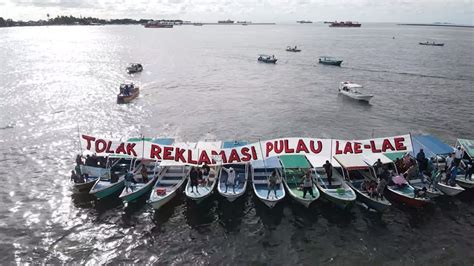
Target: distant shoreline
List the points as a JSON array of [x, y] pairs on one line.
[[435, 25]]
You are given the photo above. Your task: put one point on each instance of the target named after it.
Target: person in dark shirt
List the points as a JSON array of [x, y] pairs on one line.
[[194, 177], [328, 168]]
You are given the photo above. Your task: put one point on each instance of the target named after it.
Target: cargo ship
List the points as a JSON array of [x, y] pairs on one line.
[[347, 24]]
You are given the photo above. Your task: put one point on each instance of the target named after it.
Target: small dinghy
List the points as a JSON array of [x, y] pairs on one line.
[[350, 90], [361, 177], [261, 172], [431, 43], [170, 179], [134, 68], [90, 174], [205, 188], [403, 192], [295, 168], [141, 186], [267, 59], [293, 49], [128, 92], [328, 60]]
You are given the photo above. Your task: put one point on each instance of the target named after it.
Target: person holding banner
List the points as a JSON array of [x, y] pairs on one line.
[[230, 178], [308, 184]]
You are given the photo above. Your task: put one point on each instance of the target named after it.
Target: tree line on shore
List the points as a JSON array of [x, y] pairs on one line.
[[71, 20]]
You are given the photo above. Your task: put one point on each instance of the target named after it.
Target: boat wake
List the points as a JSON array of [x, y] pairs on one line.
[[410, 74]]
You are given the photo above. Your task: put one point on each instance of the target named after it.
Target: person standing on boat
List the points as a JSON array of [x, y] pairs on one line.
[[272, 183], [378, 165], [230, 178], [458, 156], [328, 168], [144, 174], [469, 169], [194, 177], [449, 162], [420, 158], [308, 184], [128, 181], [205, 173]]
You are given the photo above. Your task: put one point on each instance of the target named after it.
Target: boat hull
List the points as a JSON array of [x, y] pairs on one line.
[[157, 204], [331, 63], [413, 202], [145, 190], [363, 98], [371, 203], [108, 191], [303, 201], [198, 198], [272, 201], [465, 183], [268, 61], [449, 190], [431, 192], [84, 187], [129, 98]]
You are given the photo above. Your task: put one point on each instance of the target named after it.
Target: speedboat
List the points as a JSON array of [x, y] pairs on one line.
[[292, 49], [358, 173], [431, 43], [204, 189], [261, 171], [128, 92], [294, 169], [350, 90], [267, 59], [134, 68], [328, 60]]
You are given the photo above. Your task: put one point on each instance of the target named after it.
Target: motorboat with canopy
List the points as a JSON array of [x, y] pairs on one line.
[[294, 169], [329, 60], [206, 187], [261, 172], [134, 68], [171, 178], [267, 58], [468, 156], [128, 92], [434, 148], [292, 49], [351, 90], [359, 174], [233, 189]]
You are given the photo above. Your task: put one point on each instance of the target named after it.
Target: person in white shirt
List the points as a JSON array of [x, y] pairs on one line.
[[230, 179], [458, 156], [449, 162]]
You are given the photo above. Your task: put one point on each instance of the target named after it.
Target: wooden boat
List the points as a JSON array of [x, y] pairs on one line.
[[134, 68], [93, 174], [206, 189], [431, 43], [170, 180], [431, 190], [267, 59], [468, 156], [261, 171], [292, 49], [105, 187], [128, 92], [241, 175], [357, 170], [294, 168], [406, 194], [450, 190], [328, 60], [350, 90]]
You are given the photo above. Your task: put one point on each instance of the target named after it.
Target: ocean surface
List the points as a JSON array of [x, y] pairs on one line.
[[202, 83]]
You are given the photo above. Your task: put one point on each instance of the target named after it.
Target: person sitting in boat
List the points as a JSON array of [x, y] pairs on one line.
[[144, 174], [129, 179], [420, 193], [308, 184], [205, 174], [194, 179], [272, 183], [113, 177], [328, 169], [230, 178]]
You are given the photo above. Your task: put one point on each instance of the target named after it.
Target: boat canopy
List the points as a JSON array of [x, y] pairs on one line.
[[269, 163], [371, 158], [394, 155], [294, 161], [228, 144], [431, 146], [468, 146], [318, 161], [209, 145], [352, 161], [163, 141]]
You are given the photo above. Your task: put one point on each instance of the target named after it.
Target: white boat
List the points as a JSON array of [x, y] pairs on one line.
[[350, 90], [450, 190], [204, 190], [231, 193], [261, 171]]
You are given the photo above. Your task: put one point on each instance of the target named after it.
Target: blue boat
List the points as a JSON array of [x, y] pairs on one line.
[[261, 171], [231, 193]]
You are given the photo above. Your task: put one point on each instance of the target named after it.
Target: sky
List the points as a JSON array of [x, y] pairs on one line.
[[279, 11]]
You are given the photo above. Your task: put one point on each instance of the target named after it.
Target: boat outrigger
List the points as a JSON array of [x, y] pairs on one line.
[[261, 172], [293, 49], [360, 175], [431, 43], [267, 59], [350, 90], [294, 169], [329, 60], [134, 68], [128, 92]]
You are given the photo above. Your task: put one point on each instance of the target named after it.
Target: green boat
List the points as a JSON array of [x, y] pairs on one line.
[[328, 60], [294, 168]]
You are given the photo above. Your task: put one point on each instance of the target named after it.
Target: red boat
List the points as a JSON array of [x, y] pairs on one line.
[[347, 24], [406, 195]]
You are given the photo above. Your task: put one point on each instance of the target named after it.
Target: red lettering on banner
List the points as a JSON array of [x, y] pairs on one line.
[[109, 144], [234, 156], [130, 149], [269, 148], [357, 147], [167, 153], [399, 144], [221, 154], [246, 155], [338, 151], [190, 157], [313, 149], [89, 141], [100, 146], [121, 148], [278, 148], [386, 145], [204, 158], [348, 148], [301, 146], [154, 152], [287, 147], [254, 153], [179, 155], [374, 149]]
